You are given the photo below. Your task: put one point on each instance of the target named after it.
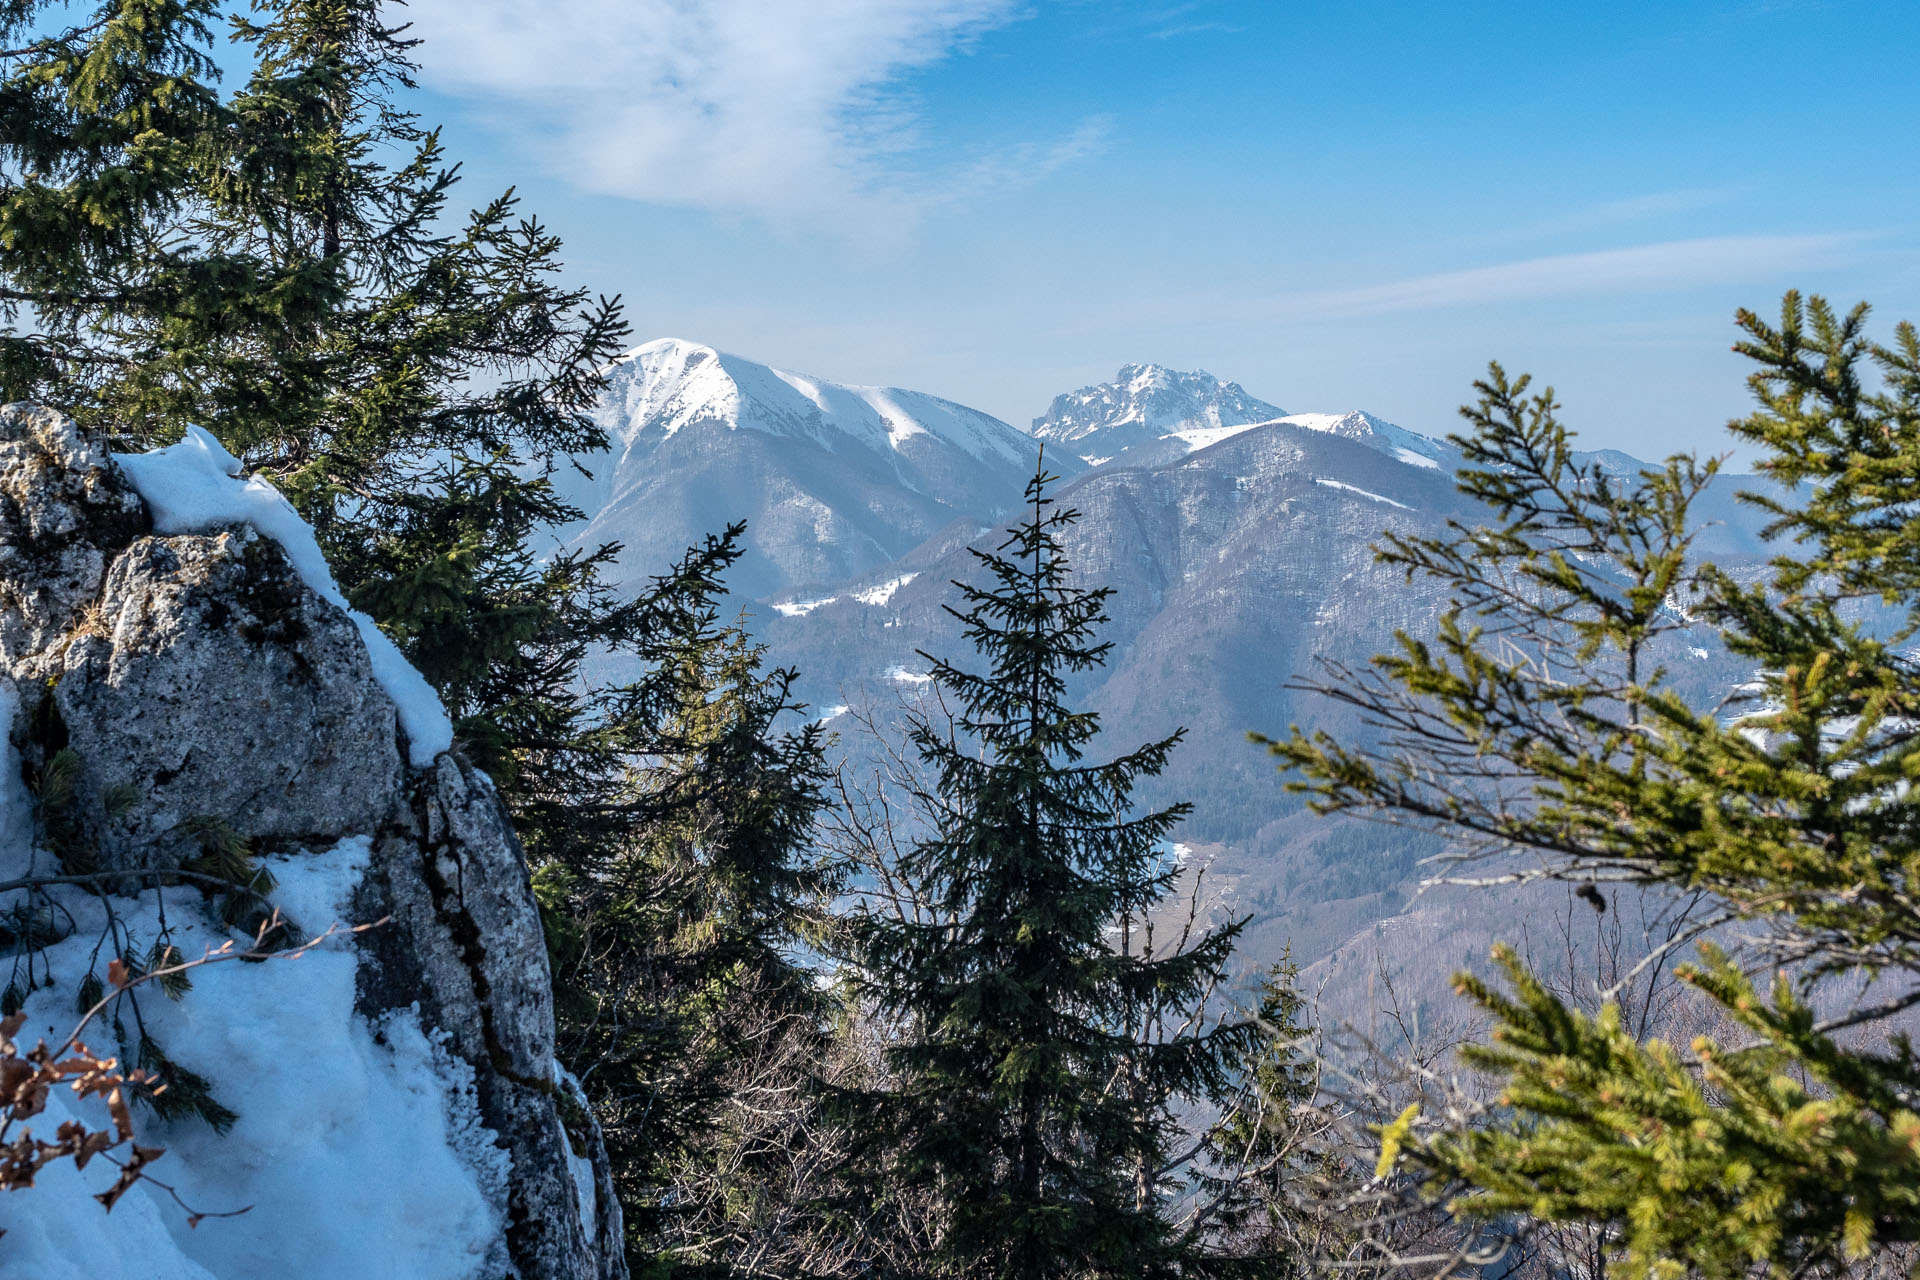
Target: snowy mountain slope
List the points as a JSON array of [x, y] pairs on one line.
[[668, 384], [1383, 437], [832, 479], [1232, 568], [1237, 538]]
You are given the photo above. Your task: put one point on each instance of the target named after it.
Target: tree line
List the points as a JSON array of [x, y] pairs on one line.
[[956, 1020]]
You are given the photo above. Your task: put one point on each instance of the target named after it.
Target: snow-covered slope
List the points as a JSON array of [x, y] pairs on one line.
[[832, 479], [392, 1107], [658, 389], [1377, 434], [1381, 436]]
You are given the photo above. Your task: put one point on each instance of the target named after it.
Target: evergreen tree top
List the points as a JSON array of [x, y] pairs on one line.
[[1023, 1007], [1537, 721]]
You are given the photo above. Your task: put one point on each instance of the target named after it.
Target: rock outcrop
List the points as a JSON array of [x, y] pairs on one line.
[[196, 678]]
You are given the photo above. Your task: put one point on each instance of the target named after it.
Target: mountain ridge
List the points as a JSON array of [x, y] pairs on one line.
[[1236, 539], [1151, 414], [831, 478]]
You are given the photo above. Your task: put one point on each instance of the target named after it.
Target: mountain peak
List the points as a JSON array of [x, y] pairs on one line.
[[1146, 402], [832, 478], [665, 349]]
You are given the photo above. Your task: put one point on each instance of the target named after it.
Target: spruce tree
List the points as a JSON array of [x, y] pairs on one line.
[[681, 940], [1536, 721], [282, 266], [1018, 1013], [1262, 1161]]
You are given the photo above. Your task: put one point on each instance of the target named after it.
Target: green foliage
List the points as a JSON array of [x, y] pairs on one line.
[[1709, 1160], [164, 959], [55, 787], [1533, 722], [176, 1093], [1019, 1017], [227, 856], [675, 927], [283, 266], [1257, 1147], [120, 799], [91, 992]]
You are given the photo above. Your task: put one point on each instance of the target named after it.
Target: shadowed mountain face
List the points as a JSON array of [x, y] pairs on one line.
[[832, 480], [1235, 571]]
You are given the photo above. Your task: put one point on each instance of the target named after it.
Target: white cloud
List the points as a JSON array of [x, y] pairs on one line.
[[785, 110]]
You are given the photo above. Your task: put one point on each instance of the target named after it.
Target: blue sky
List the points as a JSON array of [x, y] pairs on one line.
[[1339, 205]]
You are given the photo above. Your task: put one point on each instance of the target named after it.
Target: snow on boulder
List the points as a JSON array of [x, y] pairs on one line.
[[195, 485], [175, 652]]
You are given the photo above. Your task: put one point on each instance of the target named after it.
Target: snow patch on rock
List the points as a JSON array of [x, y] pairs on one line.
[[195, 485], [578, 1166]]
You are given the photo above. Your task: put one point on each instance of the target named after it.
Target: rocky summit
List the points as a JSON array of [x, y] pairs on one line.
[[1143, 405]]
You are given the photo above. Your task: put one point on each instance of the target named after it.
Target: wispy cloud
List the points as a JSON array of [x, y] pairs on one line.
[[1675, 264], [1195, 29], [1647, 270], [784, 111], [1656, 204], [1009, 168]]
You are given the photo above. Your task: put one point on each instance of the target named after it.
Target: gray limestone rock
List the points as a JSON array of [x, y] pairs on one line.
[[215, 684], [200, 676], [466, 946], [63, 514]]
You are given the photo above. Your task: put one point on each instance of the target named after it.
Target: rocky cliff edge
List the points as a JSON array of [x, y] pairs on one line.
[[179, 677]]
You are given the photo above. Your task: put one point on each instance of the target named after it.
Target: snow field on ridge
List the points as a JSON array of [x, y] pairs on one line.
[[674, 383]]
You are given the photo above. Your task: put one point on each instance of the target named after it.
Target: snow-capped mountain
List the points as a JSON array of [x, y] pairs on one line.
[[831, 479], [1237, 539], [1237, 567], [1151, 415], [657, 389], [1381, 436], [1144, 404]]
